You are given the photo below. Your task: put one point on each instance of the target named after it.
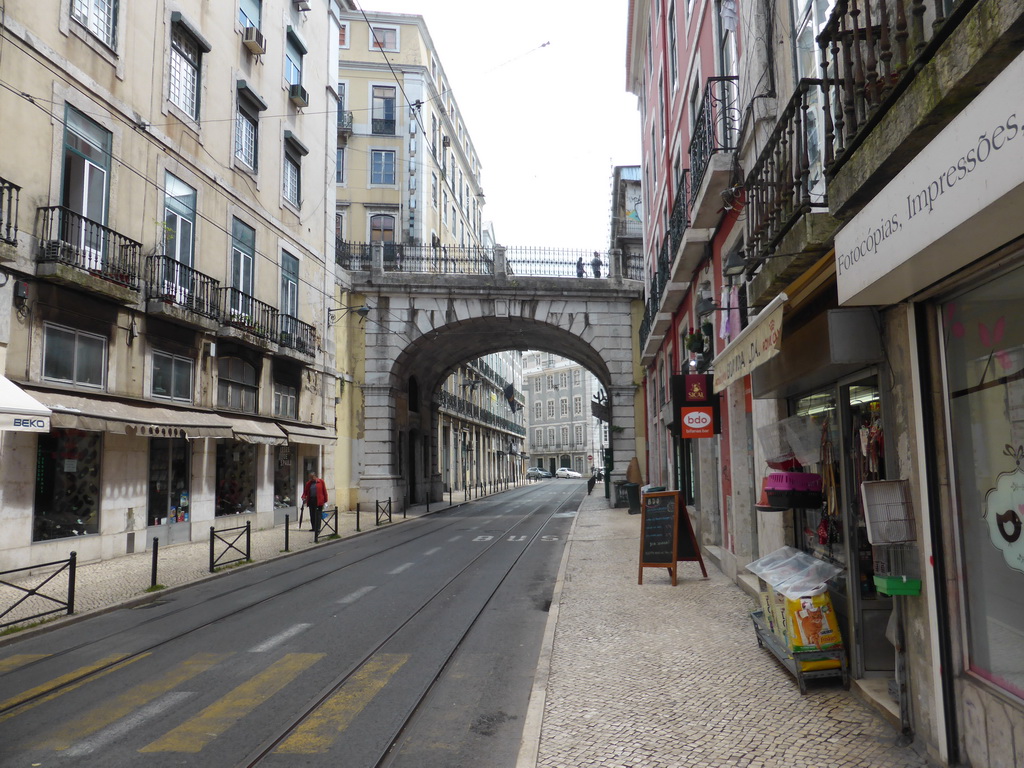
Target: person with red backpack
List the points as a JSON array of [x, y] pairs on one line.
[[314, 496]]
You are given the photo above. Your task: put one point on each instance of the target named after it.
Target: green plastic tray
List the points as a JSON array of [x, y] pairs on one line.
[[897, 585]]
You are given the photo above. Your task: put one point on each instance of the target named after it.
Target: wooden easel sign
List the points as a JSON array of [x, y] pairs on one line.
[[658, 532], [666, 535]]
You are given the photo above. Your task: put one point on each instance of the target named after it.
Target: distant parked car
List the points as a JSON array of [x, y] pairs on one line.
[[537, 473], [566, 472]]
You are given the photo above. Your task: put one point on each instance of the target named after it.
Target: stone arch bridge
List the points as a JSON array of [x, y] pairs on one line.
[[432, 309]]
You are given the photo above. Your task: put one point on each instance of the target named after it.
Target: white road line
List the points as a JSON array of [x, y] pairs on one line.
[[401, 568], [118, 730], [280, 637], [433, 551], [454, 538], [352, 597]]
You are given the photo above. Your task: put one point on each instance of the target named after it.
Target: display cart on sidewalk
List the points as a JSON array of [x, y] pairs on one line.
[[796, 621]]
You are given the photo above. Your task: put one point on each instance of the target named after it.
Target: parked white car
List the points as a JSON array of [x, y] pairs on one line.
[[566, 472]]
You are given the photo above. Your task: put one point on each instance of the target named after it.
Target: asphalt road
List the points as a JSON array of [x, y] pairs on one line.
[[414, 645]]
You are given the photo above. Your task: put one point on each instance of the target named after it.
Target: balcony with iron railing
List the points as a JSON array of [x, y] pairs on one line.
[[453, 404], [353, 256], [344, 123], [295, 336], [78, 251], [715, 132], [627, 227], [181, 294], [786, 203], [895, 72], [9, 197], [382, 126], [246, 318]]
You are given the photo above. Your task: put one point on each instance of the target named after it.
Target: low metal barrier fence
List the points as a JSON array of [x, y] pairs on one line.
[[383, 510], [67, 605], [230, 545]]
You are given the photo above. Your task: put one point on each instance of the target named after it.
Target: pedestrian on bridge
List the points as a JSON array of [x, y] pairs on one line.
[[596, 264], [579, 267]]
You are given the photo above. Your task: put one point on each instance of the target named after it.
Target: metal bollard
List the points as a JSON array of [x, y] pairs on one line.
[[72, 565], [286, 532], [156, 549], [357, 516]]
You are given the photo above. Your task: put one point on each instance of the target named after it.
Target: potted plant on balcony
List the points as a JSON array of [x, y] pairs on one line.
[[694, 341]]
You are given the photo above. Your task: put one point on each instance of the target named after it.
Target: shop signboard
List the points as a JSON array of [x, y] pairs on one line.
[[758, 343], [695, 405], [19, 411], [666, 535], [959, 198]]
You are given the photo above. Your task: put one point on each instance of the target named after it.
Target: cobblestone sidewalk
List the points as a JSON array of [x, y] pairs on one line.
[[672, 677]]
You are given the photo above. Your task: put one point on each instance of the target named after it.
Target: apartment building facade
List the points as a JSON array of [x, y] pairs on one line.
[[875, 175], [168, 265], [561, 428]]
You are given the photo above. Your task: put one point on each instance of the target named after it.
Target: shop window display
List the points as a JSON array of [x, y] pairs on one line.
[[236, 478], [169, 473], [67, 484], [284, 476], [984, 359]]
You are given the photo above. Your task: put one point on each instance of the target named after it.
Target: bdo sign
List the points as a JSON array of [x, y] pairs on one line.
[[697, 421]]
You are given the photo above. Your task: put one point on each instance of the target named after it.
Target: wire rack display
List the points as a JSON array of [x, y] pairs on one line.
[[888, 511], [797, 438]]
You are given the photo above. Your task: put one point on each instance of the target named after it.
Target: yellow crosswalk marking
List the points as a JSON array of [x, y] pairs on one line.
[[20, 660], [198, 731], [63, 680], [322, 727], [131, 700]]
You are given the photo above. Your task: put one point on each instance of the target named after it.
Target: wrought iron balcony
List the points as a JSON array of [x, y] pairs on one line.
[[344, 121], [679, 220], [869, 52], [9, 196], [70, 238], [383, 127], [787, 181], [297, 335], [170, 281], [353, 256], [627, 226], [242, 311], [717, 125]]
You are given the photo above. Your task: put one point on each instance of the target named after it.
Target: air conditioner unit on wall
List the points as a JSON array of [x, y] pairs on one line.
[[304, 5], [298, 95], [253, 39]]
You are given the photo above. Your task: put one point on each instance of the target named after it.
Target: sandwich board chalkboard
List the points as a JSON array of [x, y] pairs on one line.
[[666, 536]]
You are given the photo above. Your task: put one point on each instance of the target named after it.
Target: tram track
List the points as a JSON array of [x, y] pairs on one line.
[[267, 749], [418, 529]]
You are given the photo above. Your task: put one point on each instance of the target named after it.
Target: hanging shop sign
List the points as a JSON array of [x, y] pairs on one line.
[[695, 405], [959, 198], [758, 343]]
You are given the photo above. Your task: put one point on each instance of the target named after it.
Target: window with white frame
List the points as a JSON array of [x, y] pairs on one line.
[[538, 437], [577, 405], [286, 401], [246, 134], [563, 380], [249, 12], [383, 118], [551, 381], [179, 222], [551, 437], [98, 16], [576, 376], [673, 54], [172, 377], [551, 409], [383, 38], [565, 436], [291, 177], [186, 53], [433, 189], [237, 384], [339, 168], [536, 384], [294, 50], [578, 434], [382, 166], [243, 259], [563, 406], [74, 357], [343, 35], [538, 411]]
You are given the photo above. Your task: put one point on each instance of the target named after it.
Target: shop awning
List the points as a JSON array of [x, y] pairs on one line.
[[19, 411], [758, 343], [259, 432], [75, 411], [308, 434]]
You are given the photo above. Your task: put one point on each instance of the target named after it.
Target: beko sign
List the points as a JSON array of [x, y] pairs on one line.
[[957, 200]]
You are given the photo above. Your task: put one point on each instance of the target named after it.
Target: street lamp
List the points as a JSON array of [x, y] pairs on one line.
[[336, 313]]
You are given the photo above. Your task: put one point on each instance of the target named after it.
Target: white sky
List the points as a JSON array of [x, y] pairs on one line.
[[548, 123]]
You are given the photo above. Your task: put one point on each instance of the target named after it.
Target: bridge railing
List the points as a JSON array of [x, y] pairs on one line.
[[521, 261]]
